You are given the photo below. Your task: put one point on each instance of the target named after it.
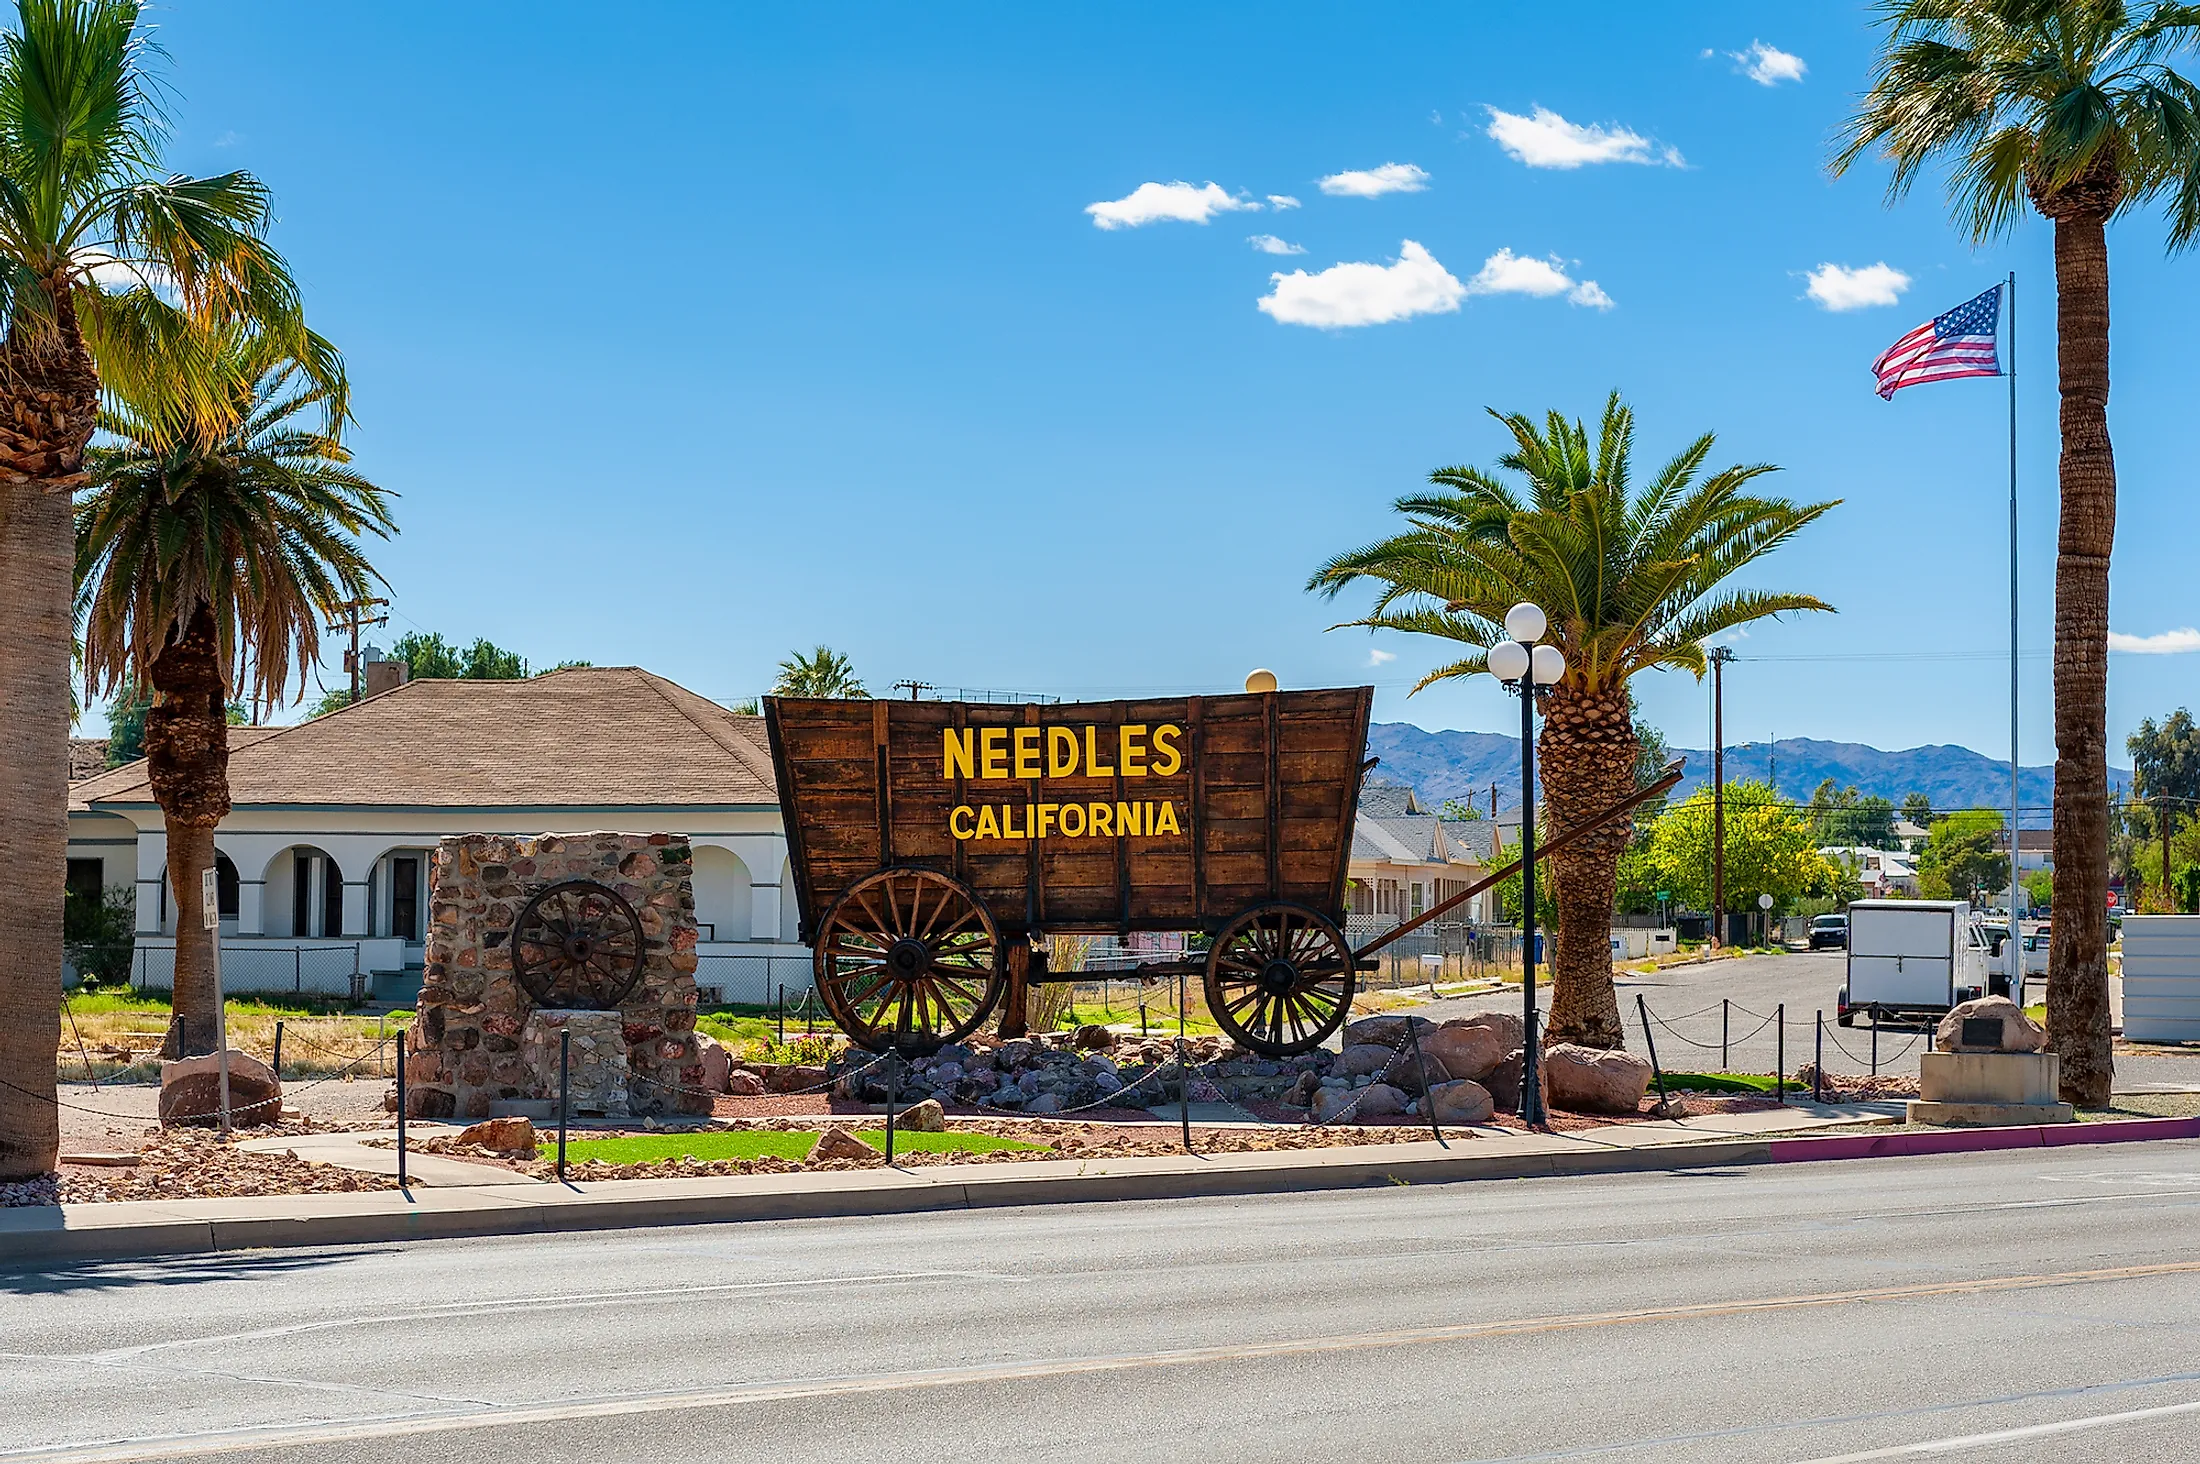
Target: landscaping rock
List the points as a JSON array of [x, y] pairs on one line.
[[796, 1077], [505, 1135], [1093, 1037], [1377, 1100], [190, 1090], [1302, 1092], [1366, 1060], [838, 1143], [1592, 1080], [1383, 1031], [1469, 1051], [744, 1084], [1460, 1101], [922, 1118], [1044, 1103], [716, 1063], [1503, 1081], [2019, 1033]]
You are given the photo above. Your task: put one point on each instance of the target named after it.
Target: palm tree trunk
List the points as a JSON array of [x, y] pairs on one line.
[[187, 763], [37, 562], [1588, 749], [2077, 979]]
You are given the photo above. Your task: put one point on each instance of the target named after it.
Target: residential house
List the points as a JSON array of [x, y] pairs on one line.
[[1406, 860], [322, 867], [1883, 873], [2035, 848]]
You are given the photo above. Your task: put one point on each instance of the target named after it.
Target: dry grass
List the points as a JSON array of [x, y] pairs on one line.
[[110, 1033]]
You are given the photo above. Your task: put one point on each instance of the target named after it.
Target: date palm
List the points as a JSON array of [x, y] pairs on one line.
[[84, 198], [2071, 106], [824, 672], [1633, 579], [205, 566]]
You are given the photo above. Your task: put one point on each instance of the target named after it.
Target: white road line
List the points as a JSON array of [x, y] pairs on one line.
[[1965, 1442]]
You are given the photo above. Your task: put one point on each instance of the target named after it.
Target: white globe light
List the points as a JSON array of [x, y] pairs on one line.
[[1550, 665], [1526, 623], [1508, 660], [1260, 681]]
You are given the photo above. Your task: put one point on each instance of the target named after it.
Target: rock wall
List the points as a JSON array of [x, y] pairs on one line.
[[465, 1051]]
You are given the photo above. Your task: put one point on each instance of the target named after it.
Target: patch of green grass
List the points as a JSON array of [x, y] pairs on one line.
[[1754, 1083], [764, 1143], [2037, 1013], [1160, 1016]]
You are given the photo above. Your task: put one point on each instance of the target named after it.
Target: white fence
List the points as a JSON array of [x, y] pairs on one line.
[[318, 968]]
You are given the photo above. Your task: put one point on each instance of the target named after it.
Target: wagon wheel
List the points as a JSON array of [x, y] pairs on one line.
[[909, 959], [1280, 979], [577, 944]]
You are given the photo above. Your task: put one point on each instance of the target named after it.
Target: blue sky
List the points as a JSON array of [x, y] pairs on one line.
[[716, 331]]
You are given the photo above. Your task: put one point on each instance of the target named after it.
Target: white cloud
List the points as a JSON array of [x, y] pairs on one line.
[[1270, 244], [1507, 273], [1153, 203], [2168, 643], [1768, 65], [1837, 287], [1381, 658], [1547, 140], [1365, 294], [1281, 201], [1375, 182]]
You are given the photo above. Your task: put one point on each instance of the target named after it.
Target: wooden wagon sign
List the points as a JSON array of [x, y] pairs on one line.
[[932, 841]]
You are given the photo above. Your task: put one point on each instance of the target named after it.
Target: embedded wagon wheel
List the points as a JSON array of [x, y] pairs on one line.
[[577, 944], [909, 959], [1280, 979]]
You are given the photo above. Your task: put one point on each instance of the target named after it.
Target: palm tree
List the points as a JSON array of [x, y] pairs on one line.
[[823, 672], [206, 564], [2070, 105], [83, 198], [1631, 580]]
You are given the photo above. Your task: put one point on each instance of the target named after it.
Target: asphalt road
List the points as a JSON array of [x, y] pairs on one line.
[[2027, 1306], [1684, 1005]]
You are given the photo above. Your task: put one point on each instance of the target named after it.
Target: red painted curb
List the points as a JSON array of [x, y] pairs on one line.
[[1971, 1141]]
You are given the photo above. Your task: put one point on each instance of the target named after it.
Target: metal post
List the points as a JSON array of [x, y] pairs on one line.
[[1421, 1068], [1531, 1060], [210, 914], [1183, 1069], [780, 1011], [1642, 1009], [1818, 1063], [1724, 1015], [1719, 658], [2016, 953], [401, 1103], [565, 1092], [1875, 1039], [278, 1063], [1780, 1058]]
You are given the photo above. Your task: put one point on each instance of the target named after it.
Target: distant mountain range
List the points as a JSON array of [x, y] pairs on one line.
[[1441, 765]]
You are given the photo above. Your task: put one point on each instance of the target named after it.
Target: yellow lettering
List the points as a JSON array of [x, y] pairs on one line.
[[1069, 809], [1102, 821], [1008, 823], [1061, 752], [989, 827], [1043, 820], [957, 761], [993, 752], [1130, 741], [1130, 821], [1094, 768], [1027, 752], [958, 820], [1166, 758], [1164, 819]]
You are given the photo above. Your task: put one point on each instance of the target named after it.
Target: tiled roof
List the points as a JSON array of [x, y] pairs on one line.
[[1388, 800], [593, 736]]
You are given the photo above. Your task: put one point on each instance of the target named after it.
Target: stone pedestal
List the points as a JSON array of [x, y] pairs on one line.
[[1989, 1089], [596, 1066]]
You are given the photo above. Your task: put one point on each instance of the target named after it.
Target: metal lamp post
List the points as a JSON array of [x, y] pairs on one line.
[[1524, 665]]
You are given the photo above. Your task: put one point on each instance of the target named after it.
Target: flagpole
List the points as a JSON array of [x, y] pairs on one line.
[[2016, 944]]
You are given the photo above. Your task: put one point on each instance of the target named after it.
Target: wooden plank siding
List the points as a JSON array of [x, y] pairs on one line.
[[1264, 796]]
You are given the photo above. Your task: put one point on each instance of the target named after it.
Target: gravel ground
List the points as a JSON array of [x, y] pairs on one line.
[[117, 1115]]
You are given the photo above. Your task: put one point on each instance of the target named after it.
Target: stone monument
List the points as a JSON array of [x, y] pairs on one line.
[[1989, 1069], [591, 936]]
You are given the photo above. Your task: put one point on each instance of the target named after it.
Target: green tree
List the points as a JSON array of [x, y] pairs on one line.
[[1918, 809], [2039, 890], [1633, 578], [1963, 858], [1846, 817], [126, 711], [1461, 811], [1770, 849], [429, 657], [2165, 766], [824, 672], [85, 195], [99, 933], [2069, 105], [209, 560]]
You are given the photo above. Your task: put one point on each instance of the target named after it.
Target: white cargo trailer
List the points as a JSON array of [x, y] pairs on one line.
[[1910, 959]]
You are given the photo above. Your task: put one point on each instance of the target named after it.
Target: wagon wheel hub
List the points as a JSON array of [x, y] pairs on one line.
[[579, 948], [1279, 976], [908, 956]]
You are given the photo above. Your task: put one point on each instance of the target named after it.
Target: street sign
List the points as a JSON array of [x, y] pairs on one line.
[[210, 903]]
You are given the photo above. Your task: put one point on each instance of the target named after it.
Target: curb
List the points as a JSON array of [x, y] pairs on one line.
[[385, 1216]]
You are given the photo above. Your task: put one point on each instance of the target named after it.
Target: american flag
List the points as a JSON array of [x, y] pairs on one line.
[[1960, 342]]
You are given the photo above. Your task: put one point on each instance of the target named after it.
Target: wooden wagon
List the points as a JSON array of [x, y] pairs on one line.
[[932, 841]]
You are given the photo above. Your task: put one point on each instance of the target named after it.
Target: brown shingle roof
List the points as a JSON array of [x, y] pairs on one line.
[[593, 736]]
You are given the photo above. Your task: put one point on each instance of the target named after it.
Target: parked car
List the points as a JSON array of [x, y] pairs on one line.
[[1829, 932]]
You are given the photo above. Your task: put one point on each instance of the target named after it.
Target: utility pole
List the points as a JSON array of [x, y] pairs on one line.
[[1493, 800], [356, 616], [912, 687], [1720, 655]]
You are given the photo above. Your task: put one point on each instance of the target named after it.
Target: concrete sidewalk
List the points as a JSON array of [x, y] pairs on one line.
[[155, 1227]]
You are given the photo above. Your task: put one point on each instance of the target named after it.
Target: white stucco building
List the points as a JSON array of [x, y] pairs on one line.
[[1406, 860], [323, 864]]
